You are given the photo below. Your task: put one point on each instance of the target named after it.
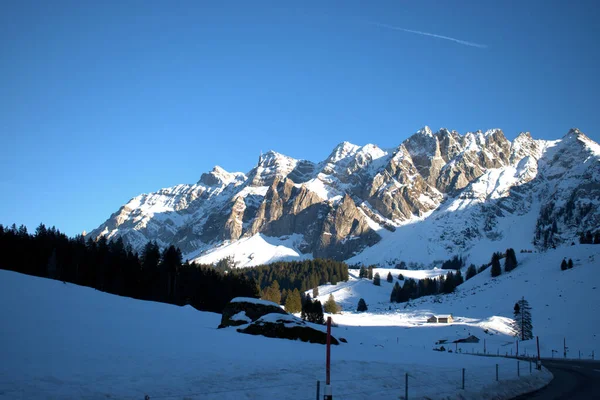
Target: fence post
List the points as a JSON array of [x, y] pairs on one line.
[[406, 387], [518, 368], [318, 389], [539, 359], [496, 372], [463, 379]]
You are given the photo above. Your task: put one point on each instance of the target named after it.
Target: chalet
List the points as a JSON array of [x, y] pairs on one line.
[[470, 339], [441, 319]]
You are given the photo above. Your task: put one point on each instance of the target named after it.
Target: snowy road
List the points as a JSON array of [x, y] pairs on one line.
[[573, 380]]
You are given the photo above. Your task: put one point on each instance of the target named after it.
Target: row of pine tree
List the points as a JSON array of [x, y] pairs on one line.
[[112, 267]]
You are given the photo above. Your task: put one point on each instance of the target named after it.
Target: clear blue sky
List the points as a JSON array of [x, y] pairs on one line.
[[103, 100]]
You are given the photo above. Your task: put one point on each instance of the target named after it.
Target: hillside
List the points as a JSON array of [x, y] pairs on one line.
[[59, 341], [435, 195], [566, 304]]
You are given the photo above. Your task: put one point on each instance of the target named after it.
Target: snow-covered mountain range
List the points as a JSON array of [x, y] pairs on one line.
[[435, 195]]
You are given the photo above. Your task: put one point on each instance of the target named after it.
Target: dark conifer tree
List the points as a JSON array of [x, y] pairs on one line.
[[317, 313], [363, 272], [458, 278], [400, 277], [370, 272], [306, 307], [362, 306], [449, 283], [510, 262], [522, 320], [390, 278], [570, 264], [377, 279], [394, 294], [496, 269], [471, 271]]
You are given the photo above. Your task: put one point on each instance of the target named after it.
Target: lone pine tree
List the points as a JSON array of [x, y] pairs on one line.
[[522, 315], [362, 306]]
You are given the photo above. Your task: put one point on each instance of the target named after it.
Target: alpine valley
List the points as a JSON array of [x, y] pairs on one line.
[[436, 195]]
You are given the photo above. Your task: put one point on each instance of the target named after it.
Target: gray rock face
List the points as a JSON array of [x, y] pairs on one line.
[[286, 327], [338, 205], [251, 310]]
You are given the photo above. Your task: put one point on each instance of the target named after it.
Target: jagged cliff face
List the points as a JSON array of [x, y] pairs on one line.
[[347, 203]]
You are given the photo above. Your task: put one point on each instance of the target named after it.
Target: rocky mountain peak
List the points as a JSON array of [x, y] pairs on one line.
[[218, 176], [425, 131], [574, 132], [272, 165], [342, 151]]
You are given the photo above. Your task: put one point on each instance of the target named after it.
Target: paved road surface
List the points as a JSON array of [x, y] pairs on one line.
[[573, 380]]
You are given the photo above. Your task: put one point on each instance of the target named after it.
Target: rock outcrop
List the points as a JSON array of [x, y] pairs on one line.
[[265, 318], [242, 310]]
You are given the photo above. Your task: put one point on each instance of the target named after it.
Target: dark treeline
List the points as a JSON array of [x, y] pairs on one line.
[[589, 238], [301, 275], [112, 267], [412, 289], [455, 262]]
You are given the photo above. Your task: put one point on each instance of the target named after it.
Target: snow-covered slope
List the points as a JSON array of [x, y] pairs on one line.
[[256, 250], [565, 304], [435, 195], [61, 341]]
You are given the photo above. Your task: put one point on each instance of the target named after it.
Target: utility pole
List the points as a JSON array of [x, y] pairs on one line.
[[328, 395]]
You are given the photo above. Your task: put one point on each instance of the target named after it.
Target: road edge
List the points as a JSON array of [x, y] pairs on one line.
[[525, 395]]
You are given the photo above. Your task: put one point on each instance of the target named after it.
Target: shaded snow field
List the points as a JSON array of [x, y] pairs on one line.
[[62, 341]]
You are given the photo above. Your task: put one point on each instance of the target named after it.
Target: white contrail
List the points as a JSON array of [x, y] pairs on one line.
[[397, 28]]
